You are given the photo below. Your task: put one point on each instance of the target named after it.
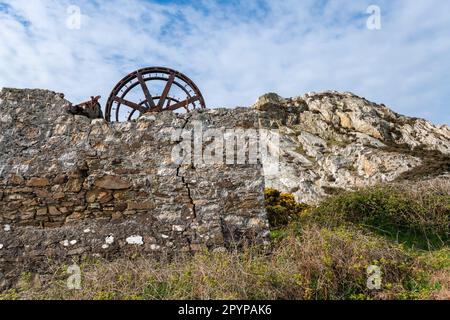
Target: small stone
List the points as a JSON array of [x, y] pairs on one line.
[[135, 240], [42, 211], [105, 246], [74, 185], [147, 117], [94, 206], [53, 224], [63, 210], [73, 242], [58, 195], [143, 205], [12, 206], [1, 246], [76, 216], [7, 227], [155, 247], [23, 190], [120, 206], [65, 243], [60, 179], [119, 195], [104, 197], [109, 239], [42, 193], [178, 228], [91, 196], [15, 180], [53, 211], [268, 100], [116, 216], [28, 215], [87, 230], [38, 182], [112, 183]]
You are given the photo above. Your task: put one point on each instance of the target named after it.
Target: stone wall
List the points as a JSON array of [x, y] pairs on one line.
[[71, 186]]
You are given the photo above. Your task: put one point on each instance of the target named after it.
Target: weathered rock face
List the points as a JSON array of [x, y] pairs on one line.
[[341, 141], [71, 186]]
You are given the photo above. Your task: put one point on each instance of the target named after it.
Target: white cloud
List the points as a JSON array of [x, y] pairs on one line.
[[236, 52]]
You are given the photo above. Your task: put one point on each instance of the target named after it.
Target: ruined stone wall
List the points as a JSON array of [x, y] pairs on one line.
[[71, 186]]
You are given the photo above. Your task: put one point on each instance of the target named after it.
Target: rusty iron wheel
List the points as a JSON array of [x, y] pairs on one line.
[[153, 89]]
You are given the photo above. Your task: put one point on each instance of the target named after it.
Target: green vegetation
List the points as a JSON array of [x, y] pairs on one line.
[[418, 216], [282, 208], [317, 253]]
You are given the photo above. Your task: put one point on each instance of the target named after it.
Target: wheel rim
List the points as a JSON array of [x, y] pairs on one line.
[[152, 89]]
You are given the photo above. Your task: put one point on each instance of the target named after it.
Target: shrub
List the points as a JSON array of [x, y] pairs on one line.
[[414, 214], [282, 207]]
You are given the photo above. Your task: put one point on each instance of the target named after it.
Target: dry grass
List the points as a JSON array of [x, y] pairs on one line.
[[443, 278], [311, 263], [311, 258]]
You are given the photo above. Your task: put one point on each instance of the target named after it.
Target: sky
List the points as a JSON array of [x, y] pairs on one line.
[[236, 50]]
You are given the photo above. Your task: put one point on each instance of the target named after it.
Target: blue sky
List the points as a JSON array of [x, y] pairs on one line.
[[236, 50]]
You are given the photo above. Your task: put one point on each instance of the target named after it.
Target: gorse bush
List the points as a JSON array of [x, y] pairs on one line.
[[282, 208]]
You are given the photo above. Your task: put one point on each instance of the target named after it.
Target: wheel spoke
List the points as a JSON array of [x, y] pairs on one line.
[[131, 104], [166, 91], [148, 96], [183, 103]]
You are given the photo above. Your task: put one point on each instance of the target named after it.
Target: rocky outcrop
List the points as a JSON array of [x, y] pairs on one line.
[[342, 141]]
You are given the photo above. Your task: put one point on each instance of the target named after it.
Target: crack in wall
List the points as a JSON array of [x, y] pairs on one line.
[[186, 185], [183, 179]]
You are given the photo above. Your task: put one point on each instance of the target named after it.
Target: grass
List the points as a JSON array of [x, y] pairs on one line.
[[417, 215], [316, 253]]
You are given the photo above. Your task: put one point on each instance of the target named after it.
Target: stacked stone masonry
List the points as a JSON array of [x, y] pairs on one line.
[[73, 187]]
